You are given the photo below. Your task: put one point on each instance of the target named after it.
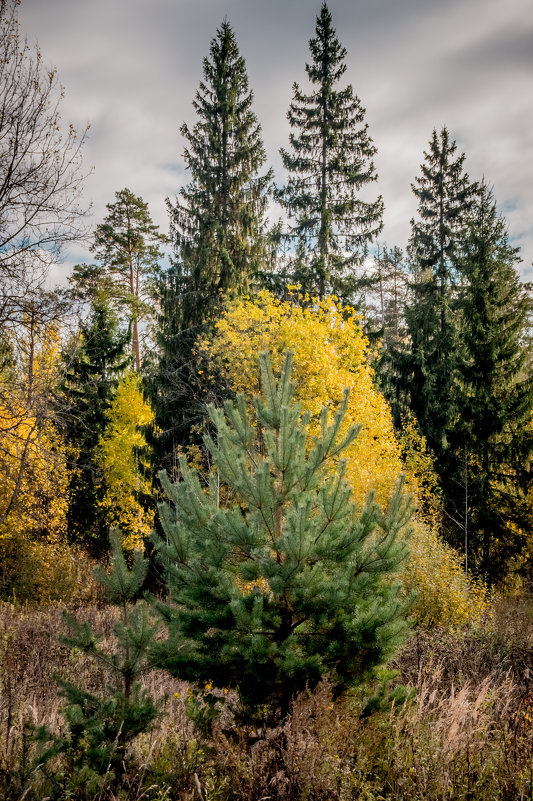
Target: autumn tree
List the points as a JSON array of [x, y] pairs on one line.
[[289, 581], [35, 562], [41, 179], [40, 168], [127, 246], [331, 353], [329, 163], [123, 463], [28, 379]]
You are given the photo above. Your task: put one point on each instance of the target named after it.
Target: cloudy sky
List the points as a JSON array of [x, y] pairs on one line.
[[131, 67]]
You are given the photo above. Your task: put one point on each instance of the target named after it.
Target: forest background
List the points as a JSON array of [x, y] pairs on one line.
[[108, 380]]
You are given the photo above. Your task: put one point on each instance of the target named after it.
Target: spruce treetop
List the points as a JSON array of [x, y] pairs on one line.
[[219, 235], [445, 197], [330, 160], [217, 222]]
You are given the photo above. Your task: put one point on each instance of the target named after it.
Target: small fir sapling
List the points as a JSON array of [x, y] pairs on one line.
[[93, 746], [289, 581]]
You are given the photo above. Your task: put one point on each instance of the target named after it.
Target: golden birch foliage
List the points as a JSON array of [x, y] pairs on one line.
[[33, 459], [36, 564], [331, 353], [33, 464], [419, 464], [445, 595], [122, 466]]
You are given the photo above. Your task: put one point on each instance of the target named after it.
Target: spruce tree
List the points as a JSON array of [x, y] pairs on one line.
[[445, 196], [492, 438], [92, 373], [218, 232], [288, 581], [217, 222], [329, 162]]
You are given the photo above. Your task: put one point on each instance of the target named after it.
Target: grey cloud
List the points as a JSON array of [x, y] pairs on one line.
[[132, 69]]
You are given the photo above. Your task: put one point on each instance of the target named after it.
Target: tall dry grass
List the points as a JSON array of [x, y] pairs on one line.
[[467, 734]]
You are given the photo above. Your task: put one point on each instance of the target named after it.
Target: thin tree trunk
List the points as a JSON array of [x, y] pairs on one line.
[[18, 483]]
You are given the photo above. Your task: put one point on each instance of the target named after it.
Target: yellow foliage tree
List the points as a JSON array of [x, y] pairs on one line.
[[123, 465], [32, 455], [36, 563], [331, 353]]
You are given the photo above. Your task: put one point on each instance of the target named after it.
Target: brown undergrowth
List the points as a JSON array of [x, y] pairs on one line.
[[466, 734]]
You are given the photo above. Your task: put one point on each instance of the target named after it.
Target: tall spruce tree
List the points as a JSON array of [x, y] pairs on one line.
[[329, 162], [492, 439], [218, 231], [92, 374], [445, 199], [218, 220], [289, 581]]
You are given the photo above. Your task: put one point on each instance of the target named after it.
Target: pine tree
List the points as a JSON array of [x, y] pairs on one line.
[[492, 439], [93, 371], [445, 196], [127, 245], [289, 581], [93, 749], [330, 161]]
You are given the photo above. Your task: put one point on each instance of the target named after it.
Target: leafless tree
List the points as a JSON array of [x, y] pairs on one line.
[[41, 175], [41, 210]]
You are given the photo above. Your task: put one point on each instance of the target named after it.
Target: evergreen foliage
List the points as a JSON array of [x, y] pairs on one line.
[[219, 235], [92, 375], [492, 437], [329, 162], [288, 581], [217, 222], [445, 196], [330, 354], [99, 729], [127, 245]]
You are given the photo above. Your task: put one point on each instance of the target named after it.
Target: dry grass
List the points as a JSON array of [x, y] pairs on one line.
[[468, 734]]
